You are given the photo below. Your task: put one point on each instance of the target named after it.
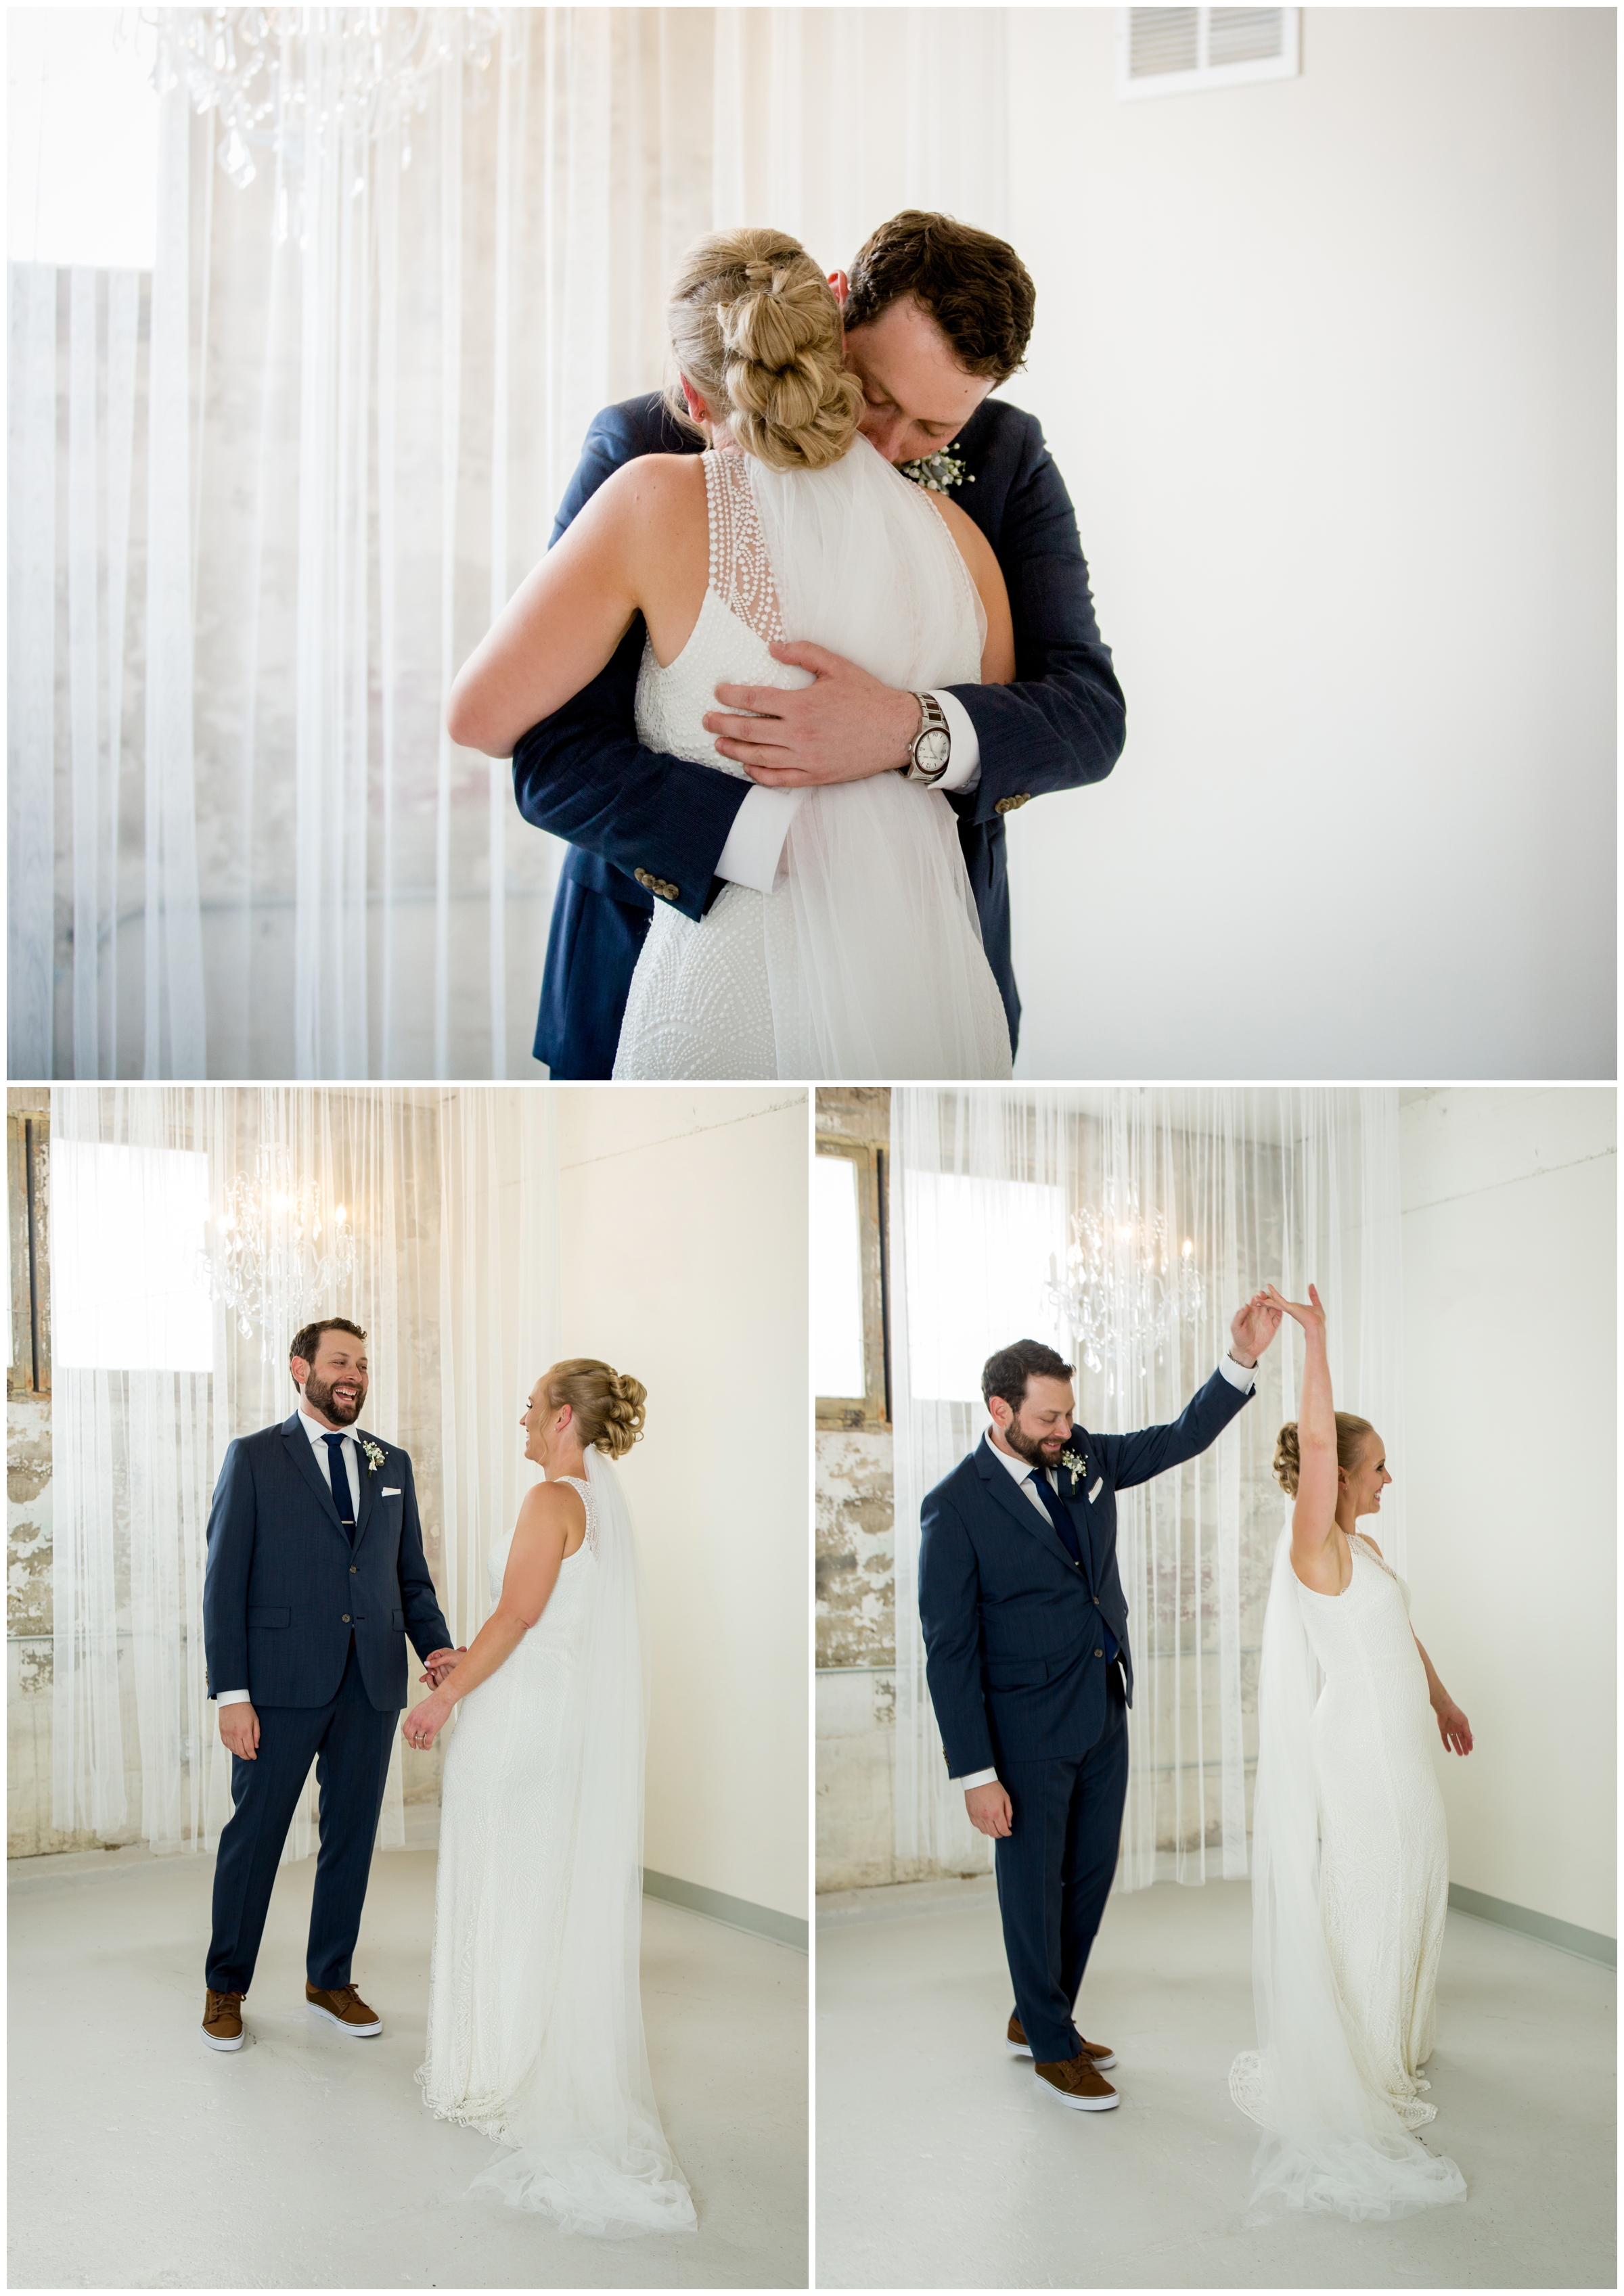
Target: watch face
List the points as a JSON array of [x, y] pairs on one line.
[[932, 751]]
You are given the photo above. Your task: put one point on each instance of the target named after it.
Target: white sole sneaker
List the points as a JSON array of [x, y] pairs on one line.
[[1024, 2049], [355, 2032], [1079, 2103], [209, 2042]]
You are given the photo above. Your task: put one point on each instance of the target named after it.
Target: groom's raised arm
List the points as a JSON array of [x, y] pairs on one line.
[[1063, 721], [1130, 1459], [582, 773], [950, 1617]]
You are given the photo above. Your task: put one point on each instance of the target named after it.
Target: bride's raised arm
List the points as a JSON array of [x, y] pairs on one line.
[[550, 1524], [563, 624], [1314, 1510]]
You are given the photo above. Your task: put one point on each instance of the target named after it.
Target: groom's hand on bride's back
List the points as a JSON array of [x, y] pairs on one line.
[[844, 728], [988, 1809]]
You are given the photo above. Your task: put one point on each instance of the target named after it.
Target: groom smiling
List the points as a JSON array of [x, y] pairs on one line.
[[938, 315], [1030, 1669]]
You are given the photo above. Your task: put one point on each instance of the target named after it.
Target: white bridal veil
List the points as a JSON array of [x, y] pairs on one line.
[[877, 890], [591, 2150], [1330, 2141]]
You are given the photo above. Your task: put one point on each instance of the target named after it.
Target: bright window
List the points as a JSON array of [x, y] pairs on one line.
[[127, 1288], [82, 140], [980, 1256]]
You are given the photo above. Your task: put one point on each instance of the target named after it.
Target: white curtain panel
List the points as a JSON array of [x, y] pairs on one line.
[[153, 1378], [1287, 1185], [267, 498]]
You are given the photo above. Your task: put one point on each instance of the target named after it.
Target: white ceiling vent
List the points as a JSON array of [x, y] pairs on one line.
[[1175, 51]]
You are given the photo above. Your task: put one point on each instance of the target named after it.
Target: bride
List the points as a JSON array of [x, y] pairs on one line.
[[866, 959], [535, 2018], [1351, 1858]]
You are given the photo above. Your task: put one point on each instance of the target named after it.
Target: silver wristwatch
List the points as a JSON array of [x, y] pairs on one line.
[[932, 751]]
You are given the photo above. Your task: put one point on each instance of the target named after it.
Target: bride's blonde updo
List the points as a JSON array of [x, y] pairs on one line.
[[607, 1404], [1350, 1432], [757, 330]]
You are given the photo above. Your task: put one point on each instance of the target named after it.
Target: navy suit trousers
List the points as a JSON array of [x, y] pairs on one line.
[[1054, 1873], [349, 1743]]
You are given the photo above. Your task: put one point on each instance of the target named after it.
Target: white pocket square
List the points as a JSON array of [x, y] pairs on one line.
[[1099, 1485], [390, 1491]]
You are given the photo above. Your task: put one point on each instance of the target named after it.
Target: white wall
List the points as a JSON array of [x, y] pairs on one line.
[[1510, 1253], [683, 1213], [1328, 365]]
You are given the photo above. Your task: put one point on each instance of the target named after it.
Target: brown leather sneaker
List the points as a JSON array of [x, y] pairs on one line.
[[342, 2006], [223, 2020], [1079, 2084], [1015, 2041]]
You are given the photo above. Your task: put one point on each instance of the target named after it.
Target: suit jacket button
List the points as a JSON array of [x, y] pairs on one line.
[[1096, 1602], [344, 1621], [1012, 804], [1099, 1653]]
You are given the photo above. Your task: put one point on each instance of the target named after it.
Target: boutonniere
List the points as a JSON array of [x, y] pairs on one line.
[[373, 1451], [1077, 1468], [937, 474]]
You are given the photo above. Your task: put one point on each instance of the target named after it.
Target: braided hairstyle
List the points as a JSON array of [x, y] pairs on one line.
[[607, 1404], [755, 330]]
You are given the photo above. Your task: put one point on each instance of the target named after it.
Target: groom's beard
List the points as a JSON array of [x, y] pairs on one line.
[[1030, 1448], [343, 1412]]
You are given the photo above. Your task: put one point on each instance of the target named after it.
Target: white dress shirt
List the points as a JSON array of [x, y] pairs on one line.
[[755, 842], [1238, 1375], [347, 1452]]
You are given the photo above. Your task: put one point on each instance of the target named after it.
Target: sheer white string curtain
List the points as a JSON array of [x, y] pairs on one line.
[[267, 495], [452, 1206], [986, 1188]]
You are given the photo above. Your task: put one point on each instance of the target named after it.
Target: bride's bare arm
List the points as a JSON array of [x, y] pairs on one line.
[[628, 552], [1314, 1511], [998, 652], [552, 1523]]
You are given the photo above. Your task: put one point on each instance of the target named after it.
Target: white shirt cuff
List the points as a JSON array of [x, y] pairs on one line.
[[965, 766], [755, 842], [1238, 1375], [231, 1697], [979, 1778]]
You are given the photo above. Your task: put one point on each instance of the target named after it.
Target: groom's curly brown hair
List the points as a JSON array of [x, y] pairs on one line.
[[1007, 1372], [975, 287]]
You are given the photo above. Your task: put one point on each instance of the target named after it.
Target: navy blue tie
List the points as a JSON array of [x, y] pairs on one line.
[[339, 1477], [1060, 1515]]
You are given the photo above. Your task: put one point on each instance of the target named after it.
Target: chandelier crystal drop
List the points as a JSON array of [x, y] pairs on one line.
[[295, 81], [1124, 1290], [273, 1255]]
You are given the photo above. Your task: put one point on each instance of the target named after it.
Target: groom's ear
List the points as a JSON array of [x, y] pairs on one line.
[[841, 286]]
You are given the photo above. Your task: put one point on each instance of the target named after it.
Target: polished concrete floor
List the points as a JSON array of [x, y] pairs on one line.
[[141, 2158], [941, 2163]]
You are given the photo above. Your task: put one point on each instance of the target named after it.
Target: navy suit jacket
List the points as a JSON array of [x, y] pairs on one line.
[[284, 1590], [1014, 1657], [582, 775]]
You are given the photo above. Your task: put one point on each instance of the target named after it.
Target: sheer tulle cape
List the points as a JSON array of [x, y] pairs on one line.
[[590, 2150], [874, 946], [1330, 2142]]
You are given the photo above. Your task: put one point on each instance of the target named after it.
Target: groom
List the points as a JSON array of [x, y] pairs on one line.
[[315, 1566], [1029, 1670], [938, 315]]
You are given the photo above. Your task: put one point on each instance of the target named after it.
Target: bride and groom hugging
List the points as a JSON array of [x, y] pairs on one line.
[[779, 700], [1031, 1666], [316, 1578]]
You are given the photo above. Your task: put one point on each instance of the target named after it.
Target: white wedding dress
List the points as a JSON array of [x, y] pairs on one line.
[[866, 960], [535, 2014], [1350, 1884]]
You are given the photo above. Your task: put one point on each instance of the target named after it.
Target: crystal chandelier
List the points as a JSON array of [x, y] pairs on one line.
[[273, 1256], [293, 80], [1124, 1292]]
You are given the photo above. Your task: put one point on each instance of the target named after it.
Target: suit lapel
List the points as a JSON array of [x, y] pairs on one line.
[[304, 1460], [1006, 1494]]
